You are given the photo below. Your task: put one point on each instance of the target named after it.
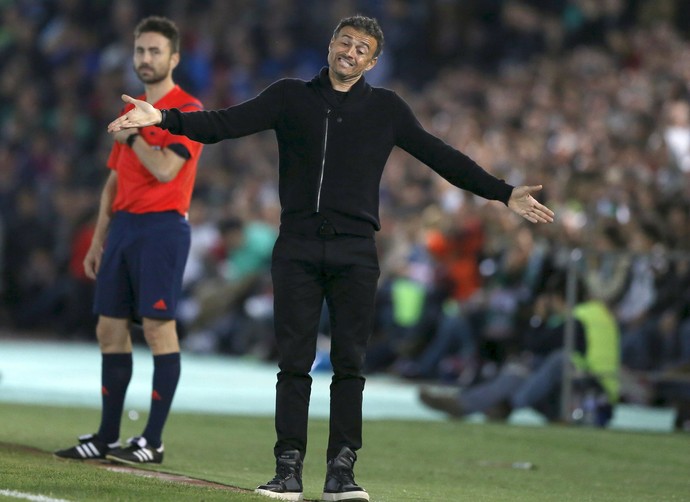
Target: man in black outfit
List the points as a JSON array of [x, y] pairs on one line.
[[334, 135]]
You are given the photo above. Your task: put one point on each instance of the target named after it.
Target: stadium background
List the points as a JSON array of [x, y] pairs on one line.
[[587, 97]]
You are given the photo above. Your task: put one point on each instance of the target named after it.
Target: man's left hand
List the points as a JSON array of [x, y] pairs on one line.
[[522, 203]]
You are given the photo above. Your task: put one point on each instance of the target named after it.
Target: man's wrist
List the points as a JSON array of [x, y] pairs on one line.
[[164, 114], [131, 139]]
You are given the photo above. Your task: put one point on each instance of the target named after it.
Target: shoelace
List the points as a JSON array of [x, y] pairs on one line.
[[283, 471], [344, 475]]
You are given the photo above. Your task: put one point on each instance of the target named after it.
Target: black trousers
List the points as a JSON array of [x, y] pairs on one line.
[[344, 271]]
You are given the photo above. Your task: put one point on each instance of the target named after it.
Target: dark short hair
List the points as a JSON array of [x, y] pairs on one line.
[[368, 25], [557, 284], [162, 25]]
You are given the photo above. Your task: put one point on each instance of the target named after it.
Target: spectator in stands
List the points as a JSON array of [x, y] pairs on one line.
[[606, 267], [533, 380], [635, 311], [221, 321], [481, 327]]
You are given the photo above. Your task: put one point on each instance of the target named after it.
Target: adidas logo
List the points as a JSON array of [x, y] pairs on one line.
[[138, 452], [160, 305], [144, 455], [88, 450]]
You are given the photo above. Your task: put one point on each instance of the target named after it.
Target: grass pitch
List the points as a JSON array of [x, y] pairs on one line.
[[401, 460]]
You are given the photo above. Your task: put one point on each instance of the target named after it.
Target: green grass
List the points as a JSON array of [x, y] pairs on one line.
[[401, 460]]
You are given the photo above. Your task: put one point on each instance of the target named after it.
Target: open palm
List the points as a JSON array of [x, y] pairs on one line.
[[523, 203], [143, 114]]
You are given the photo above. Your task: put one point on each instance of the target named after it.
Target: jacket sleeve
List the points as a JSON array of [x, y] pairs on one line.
[[211, 126], [451, 164]]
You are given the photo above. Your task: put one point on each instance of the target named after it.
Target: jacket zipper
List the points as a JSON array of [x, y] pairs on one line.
[[323, 160]]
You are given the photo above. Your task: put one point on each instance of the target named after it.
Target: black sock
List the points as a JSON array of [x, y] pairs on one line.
[[116, 372], [166, 374]]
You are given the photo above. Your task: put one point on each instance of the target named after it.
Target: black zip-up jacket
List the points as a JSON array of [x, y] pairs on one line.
[[332, 153]]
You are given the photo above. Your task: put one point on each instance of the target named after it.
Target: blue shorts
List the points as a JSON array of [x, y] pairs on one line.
[[140, 274]]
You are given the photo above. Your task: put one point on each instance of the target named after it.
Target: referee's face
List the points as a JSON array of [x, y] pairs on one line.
[[154, 60]]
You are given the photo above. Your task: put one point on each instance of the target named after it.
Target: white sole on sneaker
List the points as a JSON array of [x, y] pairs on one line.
[[290, 496], [119, 460], [358, 496]]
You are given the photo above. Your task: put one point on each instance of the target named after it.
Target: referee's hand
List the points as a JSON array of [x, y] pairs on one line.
[[92, 261], [143, 114]]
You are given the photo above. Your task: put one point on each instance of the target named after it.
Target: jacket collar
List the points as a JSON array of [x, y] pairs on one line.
[[357, 92]]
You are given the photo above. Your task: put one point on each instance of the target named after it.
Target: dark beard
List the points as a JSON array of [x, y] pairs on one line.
[[153, 78]]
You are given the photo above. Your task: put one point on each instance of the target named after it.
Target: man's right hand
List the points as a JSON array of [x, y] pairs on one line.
[[143, 114], [92, 261]]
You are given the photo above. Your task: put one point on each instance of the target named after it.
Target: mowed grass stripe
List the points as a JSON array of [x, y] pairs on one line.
[[401, 460]]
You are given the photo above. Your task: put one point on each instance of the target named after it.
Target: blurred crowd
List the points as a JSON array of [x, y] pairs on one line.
[[587, 97]]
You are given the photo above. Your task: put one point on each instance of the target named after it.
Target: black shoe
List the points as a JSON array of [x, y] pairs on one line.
[[500, 412], [442, 401], [340, 479], [287, 483], [138, 451], [90, 447]]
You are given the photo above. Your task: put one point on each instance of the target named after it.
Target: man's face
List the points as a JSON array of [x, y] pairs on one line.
[[351, 53], [153, 59]]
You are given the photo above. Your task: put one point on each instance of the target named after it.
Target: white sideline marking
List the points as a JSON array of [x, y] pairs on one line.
[[29, 496]]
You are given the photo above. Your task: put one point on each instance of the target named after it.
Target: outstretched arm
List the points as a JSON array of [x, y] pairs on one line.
[[208, 126], [143, 114], [522, 203]]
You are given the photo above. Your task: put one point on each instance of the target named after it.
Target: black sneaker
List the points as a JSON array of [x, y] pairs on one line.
[[90, 447], [340, 479], [442, 400], [138, 451], [287, 483]]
